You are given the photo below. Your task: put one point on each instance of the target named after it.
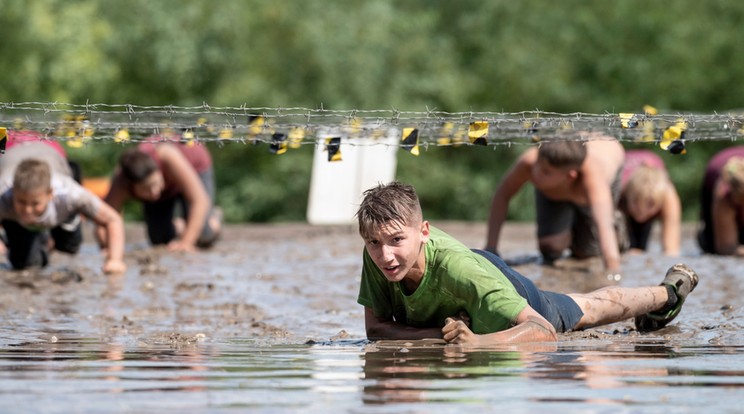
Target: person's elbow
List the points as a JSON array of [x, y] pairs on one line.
[[544, 330], [376, 333]]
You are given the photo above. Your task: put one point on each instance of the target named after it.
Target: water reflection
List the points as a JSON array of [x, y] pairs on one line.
[[180, 373], [609, 374]]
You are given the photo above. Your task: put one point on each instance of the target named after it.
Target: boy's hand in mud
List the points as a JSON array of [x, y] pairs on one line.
[[462, 316], [113, 266], [457, 331]]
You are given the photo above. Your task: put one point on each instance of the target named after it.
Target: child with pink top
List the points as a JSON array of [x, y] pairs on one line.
[[722, 204], [648, 195]]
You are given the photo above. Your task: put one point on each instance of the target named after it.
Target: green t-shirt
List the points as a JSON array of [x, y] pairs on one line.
[[456, 279]]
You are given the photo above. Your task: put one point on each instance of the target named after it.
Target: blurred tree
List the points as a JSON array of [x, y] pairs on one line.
[[569, 56]]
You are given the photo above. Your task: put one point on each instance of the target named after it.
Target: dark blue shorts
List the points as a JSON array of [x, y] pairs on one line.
[[559, 309]]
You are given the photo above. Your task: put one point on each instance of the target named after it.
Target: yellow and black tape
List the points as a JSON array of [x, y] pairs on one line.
[[410, 140], [673, 138], [333, 146], [278, 143], [3, 139], [478, 133]]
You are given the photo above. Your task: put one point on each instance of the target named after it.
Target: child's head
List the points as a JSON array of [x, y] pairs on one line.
[[733, 176], [393, 203], [32, 189], [558, 161], [644, 192], [563, 153], [142, 173], [393, 229]]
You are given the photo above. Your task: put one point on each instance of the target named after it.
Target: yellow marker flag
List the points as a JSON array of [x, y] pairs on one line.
[[356, 127], [410, 141], [445, 133], [531, 128], [122, 135], [278, 143], [628, 120], [296, 135], [648, 132], [333, 146], [478, 133], [3, 139], [650, 110], [76, 142], [188, 136], [673, 138], [87, 130], [225, 133], [255, 125]]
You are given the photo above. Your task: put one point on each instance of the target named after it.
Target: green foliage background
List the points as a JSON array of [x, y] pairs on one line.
[[568, 56]]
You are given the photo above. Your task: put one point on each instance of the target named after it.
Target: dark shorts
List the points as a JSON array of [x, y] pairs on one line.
[[639, 233], [559, 309], [28, 248], [555, 217], [159, 215]]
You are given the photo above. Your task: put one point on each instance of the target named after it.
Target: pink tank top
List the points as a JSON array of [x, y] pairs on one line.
[[637, 158], [196, 154], [23, 136]]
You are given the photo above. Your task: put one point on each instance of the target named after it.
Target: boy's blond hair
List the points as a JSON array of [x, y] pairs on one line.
[[646, 183], [32, 175], [386, 204], [563, 152]]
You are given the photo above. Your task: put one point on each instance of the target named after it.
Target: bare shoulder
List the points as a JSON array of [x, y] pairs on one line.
[[604, 143], [171, 158], [606, 153], [166, 150], [528, 157]]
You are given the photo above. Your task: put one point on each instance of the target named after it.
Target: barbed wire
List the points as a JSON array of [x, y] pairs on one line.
[[121, 123]]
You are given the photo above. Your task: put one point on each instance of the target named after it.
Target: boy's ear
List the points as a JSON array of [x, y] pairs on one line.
[[425, 231]]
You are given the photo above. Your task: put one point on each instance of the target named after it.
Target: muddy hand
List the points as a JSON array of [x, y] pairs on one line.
[[462, 316], [456, 331]]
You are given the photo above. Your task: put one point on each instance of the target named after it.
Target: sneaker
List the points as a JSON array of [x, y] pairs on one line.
[[683, 280]]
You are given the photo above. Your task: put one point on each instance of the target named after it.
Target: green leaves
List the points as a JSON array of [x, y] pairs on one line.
[[569, 56]]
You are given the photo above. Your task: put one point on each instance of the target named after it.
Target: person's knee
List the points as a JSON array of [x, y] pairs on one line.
[[67, 240], [584, 252], [68, 247], [161, 236], [24, 260], [552, 248]]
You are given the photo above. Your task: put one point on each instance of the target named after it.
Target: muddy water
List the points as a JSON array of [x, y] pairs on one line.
[[268, 322]]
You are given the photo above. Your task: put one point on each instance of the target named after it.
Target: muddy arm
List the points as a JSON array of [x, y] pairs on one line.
[[530, 326], [381, 328]]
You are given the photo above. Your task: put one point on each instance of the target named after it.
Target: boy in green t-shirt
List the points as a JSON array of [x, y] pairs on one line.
[[418, 282]]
